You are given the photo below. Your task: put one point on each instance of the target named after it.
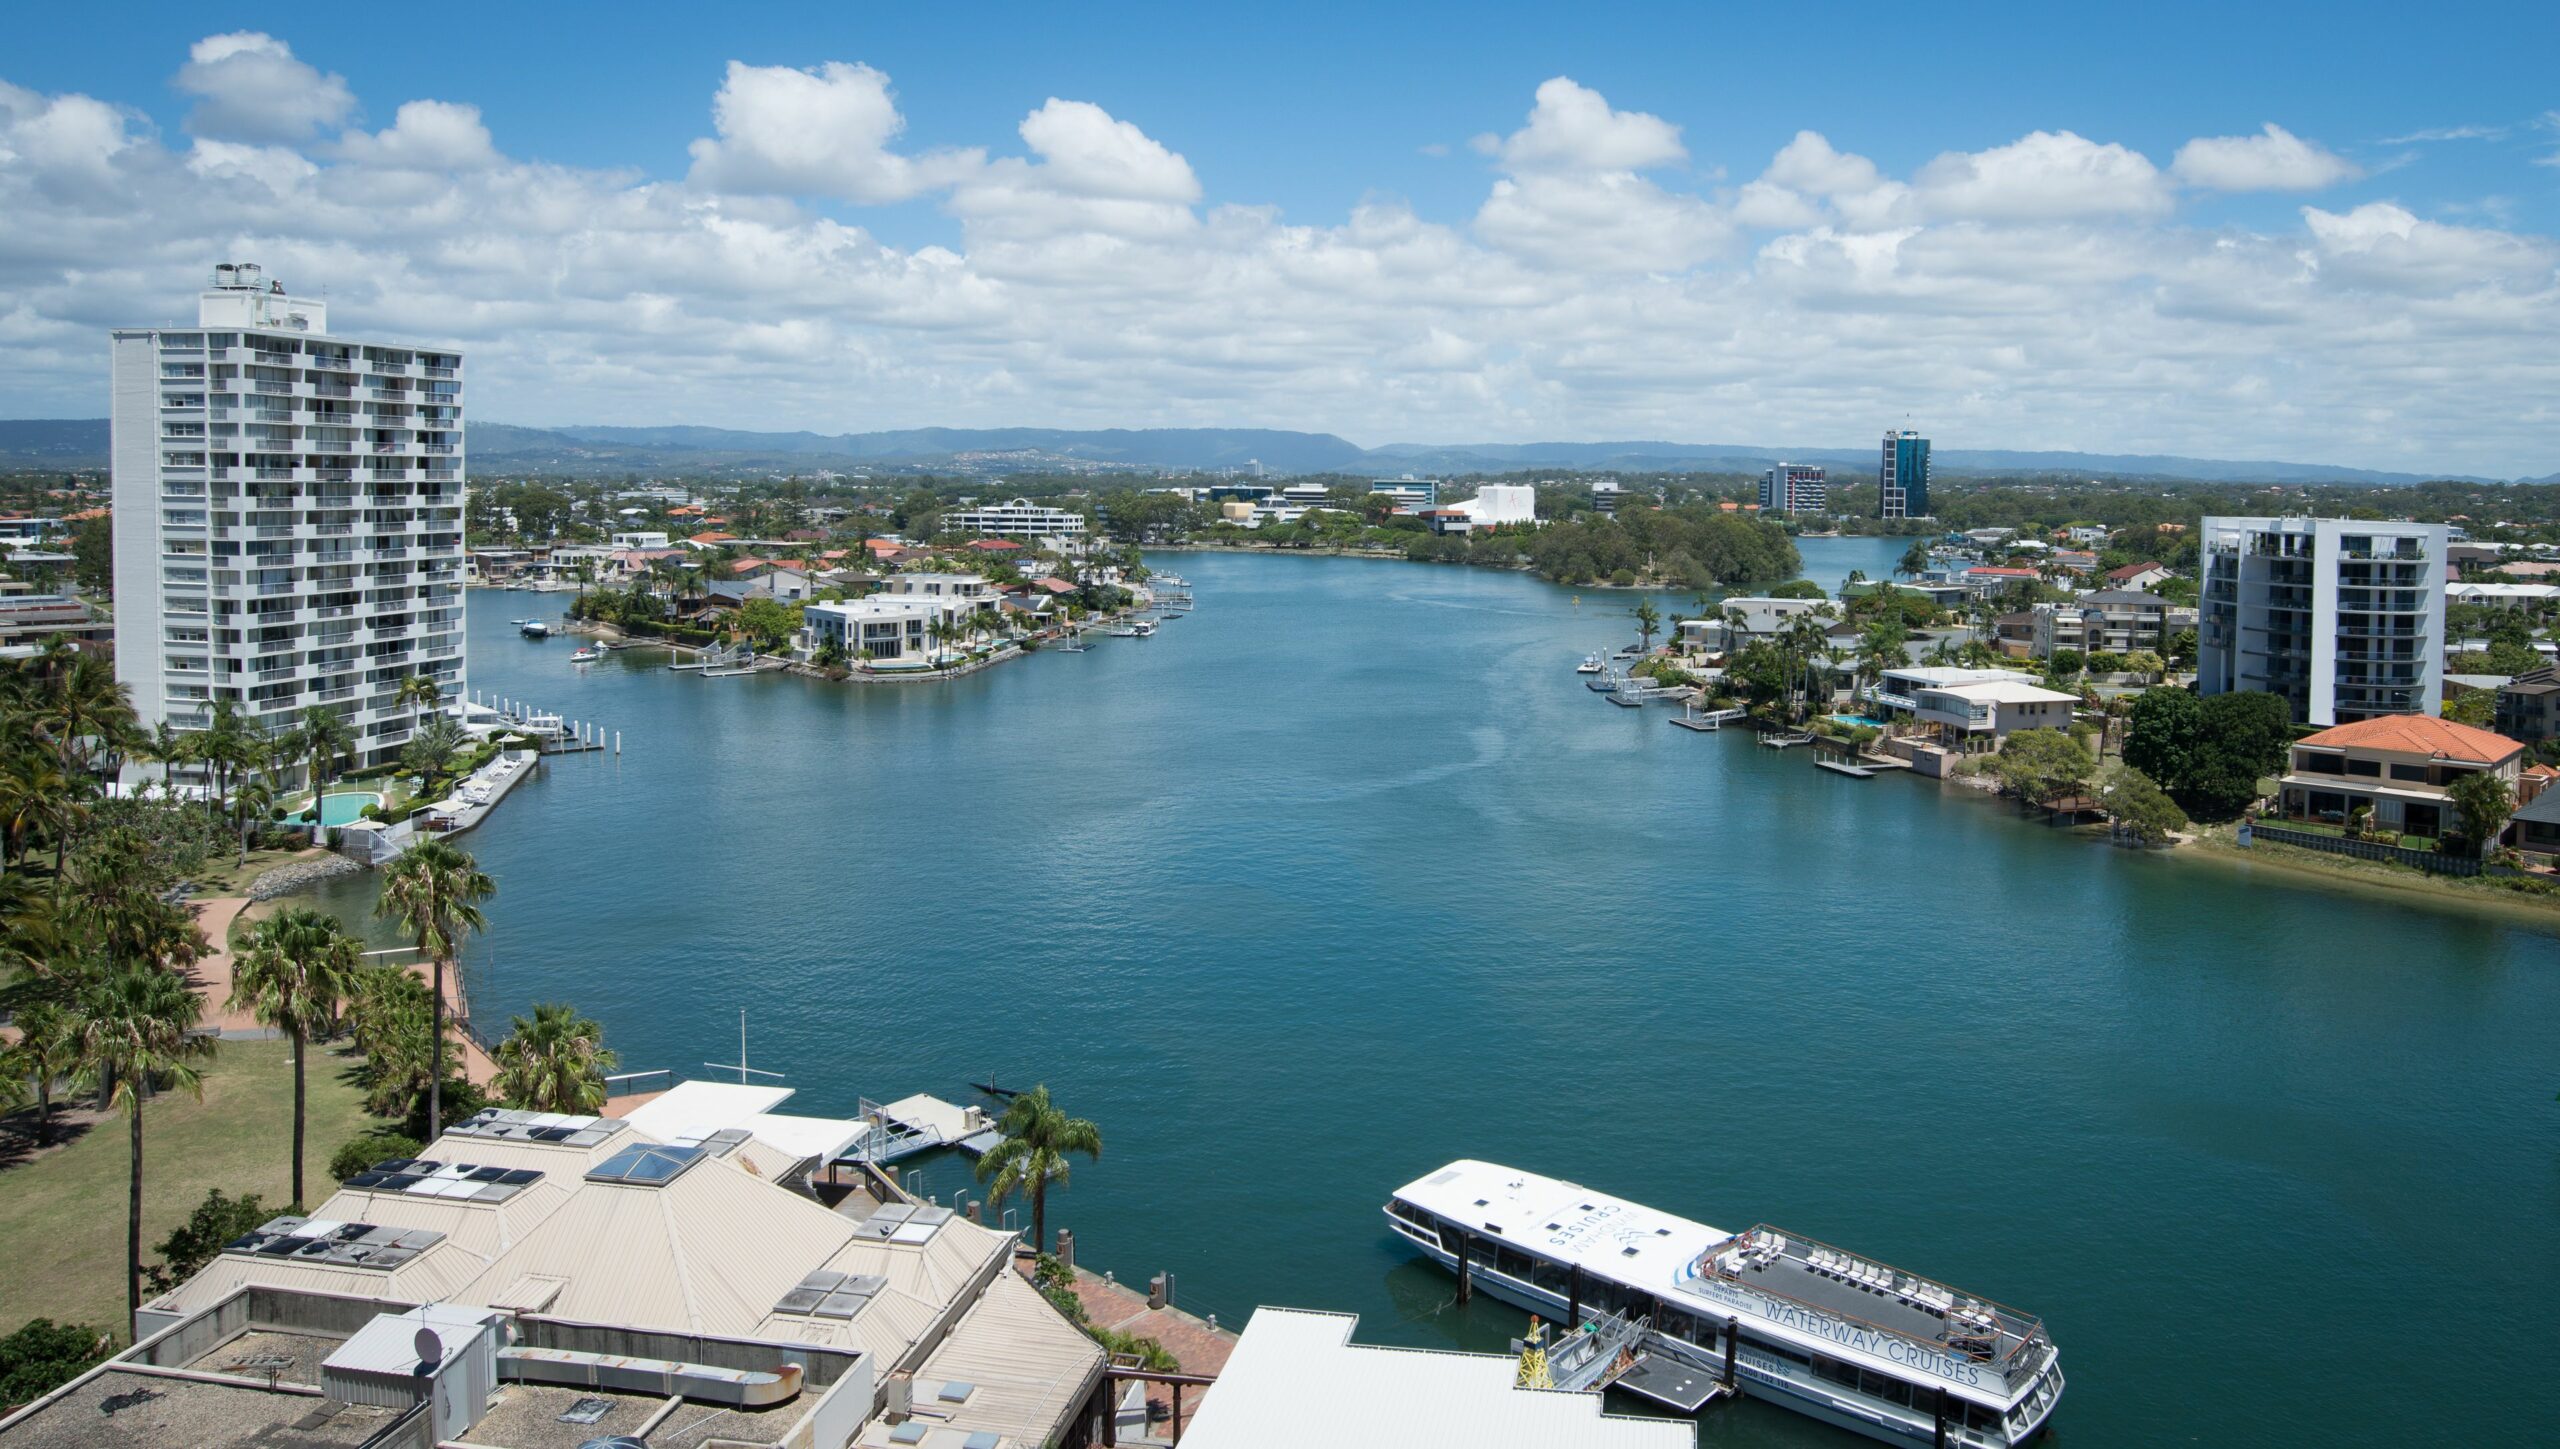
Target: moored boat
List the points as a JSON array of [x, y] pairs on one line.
[[1591, 664], [535, 629], [1831, 1334], [588, 655]]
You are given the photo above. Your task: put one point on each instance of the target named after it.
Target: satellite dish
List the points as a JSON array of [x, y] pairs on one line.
[[430, 1349]]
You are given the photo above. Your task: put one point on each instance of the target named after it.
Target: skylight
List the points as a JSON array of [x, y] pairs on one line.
[[645, 1164]]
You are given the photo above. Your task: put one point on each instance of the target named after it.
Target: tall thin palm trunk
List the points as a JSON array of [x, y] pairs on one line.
[[435, 1059], [298, 1050], [133, 1222]]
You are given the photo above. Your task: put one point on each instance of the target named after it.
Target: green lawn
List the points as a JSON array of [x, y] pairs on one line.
[[62, 1212], [2319, 827]]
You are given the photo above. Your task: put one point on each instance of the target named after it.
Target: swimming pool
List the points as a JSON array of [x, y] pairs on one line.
[[1857, 719], [344, 808]]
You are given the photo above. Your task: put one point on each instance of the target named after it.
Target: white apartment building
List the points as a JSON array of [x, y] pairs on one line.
[[892, 629], [1018, 518], [288, 516], [2343, 617], [1795, 488]]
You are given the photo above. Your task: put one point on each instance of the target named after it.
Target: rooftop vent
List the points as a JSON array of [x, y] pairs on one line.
[[419, 1177], [827, 1294], [645, 1164], [335, 1243], [507, 1125]]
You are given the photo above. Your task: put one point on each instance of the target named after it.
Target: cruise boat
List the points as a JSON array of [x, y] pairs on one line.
[[1771, 1314]]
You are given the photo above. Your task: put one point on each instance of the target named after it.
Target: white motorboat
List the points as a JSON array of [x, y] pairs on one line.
[[588, 655], [1591, 664]]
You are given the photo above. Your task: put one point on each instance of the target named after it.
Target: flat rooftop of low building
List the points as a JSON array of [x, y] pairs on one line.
[[121, 1408], [528, 1416], [283, 1358]]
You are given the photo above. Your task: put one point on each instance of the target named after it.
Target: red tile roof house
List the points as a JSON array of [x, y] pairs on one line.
[[2397, 765], [2136, 576], [994, 545]]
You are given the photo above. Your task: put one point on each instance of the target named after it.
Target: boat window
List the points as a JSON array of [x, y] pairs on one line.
[[1555, 1278], [1480, 1250], [1883, 1386], [1512, 1263]]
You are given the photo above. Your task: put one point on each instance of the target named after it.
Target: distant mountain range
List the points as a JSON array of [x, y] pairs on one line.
[[595, 451]]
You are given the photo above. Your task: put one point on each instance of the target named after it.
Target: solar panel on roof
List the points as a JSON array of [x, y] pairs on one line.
[[803, 1299], [520, 1176], [363, 1180], [841, 1305], [488, 1174]]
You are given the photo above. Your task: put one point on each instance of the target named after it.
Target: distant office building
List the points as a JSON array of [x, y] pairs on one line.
[[1795, 488], [1902, 477], [288, 517], [1408, 491], [2342, 617], [1604, 495], [1017, 518]]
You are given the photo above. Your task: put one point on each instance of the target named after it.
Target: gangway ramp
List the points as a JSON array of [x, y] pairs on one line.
[[920, 1123]]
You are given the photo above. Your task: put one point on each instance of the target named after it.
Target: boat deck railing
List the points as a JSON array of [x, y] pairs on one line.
[[1869, 1294]]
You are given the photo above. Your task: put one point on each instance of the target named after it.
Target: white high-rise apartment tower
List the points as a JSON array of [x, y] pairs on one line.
[[288, 516], [2344, 618]]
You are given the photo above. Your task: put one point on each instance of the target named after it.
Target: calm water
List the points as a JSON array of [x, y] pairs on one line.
[[1345, 875]]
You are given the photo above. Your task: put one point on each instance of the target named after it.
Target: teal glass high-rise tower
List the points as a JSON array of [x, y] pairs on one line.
[[1902, 477]]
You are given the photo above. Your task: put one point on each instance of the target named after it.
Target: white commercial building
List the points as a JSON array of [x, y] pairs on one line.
[[1019, 518], [288, 516], [1795, 488], [1500, 503], [1408, 491], [2343, 617]]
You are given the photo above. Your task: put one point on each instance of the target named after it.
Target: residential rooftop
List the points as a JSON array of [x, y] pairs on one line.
[[2418, 734]]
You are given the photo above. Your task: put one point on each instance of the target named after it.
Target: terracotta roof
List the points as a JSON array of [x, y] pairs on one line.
[[84, 515], [2418, 734], [746, 565], [994, 545], [2129, 570], [2002, 573], [713, 538]]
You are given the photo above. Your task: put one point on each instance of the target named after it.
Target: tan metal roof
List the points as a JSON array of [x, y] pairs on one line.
[[1027, 1367]]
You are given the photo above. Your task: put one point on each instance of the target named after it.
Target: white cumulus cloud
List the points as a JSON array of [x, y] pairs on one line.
[[1572, 127], [425, 136], [823, 132], [2273, 160], [249, 87], [2043, 176]]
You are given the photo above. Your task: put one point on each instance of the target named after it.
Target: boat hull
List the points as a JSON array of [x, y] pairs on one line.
[[1751, 1380]]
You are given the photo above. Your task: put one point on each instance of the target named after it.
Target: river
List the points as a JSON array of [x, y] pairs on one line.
[[1345, 875]]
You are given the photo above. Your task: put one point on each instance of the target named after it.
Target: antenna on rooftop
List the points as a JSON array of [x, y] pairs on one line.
[[740, 1065]]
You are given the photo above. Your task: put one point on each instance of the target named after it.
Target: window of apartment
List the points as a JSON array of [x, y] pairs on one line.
[[2369, 768], [2409, 772], [2321, 762]]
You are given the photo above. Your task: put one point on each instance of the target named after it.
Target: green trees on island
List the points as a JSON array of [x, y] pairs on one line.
[[2138, 808], [1038, 1139], [2041, 766], [2209, 752]]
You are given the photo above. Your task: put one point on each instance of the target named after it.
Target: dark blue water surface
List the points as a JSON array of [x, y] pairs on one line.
[[1345, 875]]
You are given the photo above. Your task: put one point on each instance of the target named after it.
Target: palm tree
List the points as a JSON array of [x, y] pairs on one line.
[[434, 891], [47, 1050], [84, 707], [295, 972], [324, 738], [554, 1063], [221, 747], [1648, 619], [137, 1025], [417, 690], [1038, 1137], [35, 803], [257, 798]]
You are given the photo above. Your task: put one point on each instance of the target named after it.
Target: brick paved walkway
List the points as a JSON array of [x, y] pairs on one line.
[[1123, 1309]]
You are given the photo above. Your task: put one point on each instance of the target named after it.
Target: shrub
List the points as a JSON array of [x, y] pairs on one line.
[[359, 1153], [190, 1245], [1623, 578], [370, 812], [43, 1356]]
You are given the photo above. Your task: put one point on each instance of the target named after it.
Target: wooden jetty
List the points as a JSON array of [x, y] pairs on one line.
[[1855, 772], [1785, 742], [1710, 722]]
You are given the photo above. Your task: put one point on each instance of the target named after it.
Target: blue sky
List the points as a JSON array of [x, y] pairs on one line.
[[1355, 183]]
